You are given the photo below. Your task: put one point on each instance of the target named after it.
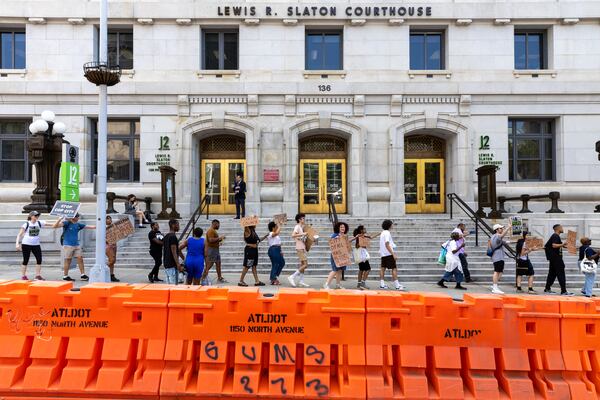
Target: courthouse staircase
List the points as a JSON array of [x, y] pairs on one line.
[[418, 239]]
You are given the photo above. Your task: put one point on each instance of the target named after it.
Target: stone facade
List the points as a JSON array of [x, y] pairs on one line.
[[273, 102]]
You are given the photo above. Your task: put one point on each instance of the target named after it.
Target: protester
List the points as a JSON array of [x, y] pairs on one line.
[[340, 230], [155, 237], [172, 253], [586, 251], [239, 189], [388, 257], [28, 241], [111, 253], [71, 246], [250, 256], [453, 264], [132, 207], [462, 253], [213, 256], [299, 237], [361, 257], [194, 259], [275, 253], [496, 247], [556, 269], [523, 264]]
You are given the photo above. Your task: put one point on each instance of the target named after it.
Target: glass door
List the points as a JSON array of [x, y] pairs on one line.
[[424, 186], [319, 179], [218, 177]]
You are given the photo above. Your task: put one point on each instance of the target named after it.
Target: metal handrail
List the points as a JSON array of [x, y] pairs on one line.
[[191, 224], [479, 223], [333, 217]]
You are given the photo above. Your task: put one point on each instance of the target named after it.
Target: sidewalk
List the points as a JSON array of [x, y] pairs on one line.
[[137, 275]]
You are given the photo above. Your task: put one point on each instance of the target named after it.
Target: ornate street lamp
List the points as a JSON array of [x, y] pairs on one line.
[[45, 151]]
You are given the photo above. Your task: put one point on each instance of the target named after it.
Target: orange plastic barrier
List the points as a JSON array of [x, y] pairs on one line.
[[237, 342], [105, 341], [487, 347]]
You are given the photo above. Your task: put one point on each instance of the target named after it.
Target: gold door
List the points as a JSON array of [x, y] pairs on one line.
[[218, 177], [319, 179], [424, 186]]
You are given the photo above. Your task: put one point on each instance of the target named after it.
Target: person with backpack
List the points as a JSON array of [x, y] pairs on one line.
[[71, 246], [496, 252], [523, 264], [453, 265], [556, 269], [588, 259], [28, 242]]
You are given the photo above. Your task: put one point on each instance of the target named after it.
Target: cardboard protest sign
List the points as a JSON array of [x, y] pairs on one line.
[[249, 221], [119, 230], [65, 209], [364, 241], [534, 244], [516, 223], [339, 251], [572, 242], [312, 236], [280, 219]]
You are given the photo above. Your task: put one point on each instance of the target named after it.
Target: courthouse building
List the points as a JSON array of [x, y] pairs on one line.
[[389, 105]]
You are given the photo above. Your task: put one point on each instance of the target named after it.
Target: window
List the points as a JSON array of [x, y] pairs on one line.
[[220, 50], [123, 157], [14, 163], [531, 149], [324, 50], [530, 49], [12, 49], [427, 50], [120, 48]]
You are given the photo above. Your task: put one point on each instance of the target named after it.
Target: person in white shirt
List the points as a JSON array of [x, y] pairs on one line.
[[28, 241], [462, 253], [275, 253], [388, 257], [453, 265], [299, 237]]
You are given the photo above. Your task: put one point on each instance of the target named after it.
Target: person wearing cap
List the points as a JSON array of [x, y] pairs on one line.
[[71, 246], [28, 241], [496, 244]]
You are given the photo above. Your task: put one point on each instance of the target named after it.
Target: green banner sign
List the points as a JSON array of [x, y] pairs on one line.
[[69, 181]]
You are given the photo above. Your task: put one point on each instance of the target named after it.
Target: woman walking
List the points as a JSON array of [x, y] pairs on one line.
[[340, 230], [250, 256], [524, 266], [362, 257], [28, 241], [132, 207], [275, 253], [453, 265], [587, 253], [194, 260]]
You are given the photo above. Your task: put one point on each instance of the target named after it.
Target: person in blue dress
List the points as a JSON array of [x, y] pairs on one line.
[[194, 260]]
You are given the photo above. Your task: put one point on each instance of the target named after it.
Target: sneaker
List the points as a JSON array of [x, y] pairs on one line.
[[141, 226], [359, 286], [383, 287], [364, 285], [68, 278], [339, 287], [221, 280], [292, 281], [303, 284], [519, 289], [531, 291], [399, 287], [84, 277], [442, 284], [497, 291], [114, 279], [24, 278], [459, 287], [469, 280], [39, 278], [326, 286], [567, 294], [549, 291]]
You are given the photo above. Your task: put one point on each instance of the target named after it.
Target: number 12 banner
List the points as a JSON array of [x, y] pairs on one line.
[[69, 181]]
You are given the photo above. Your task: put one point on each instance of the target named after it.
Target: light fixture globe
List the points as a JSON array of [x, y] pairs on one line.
[[48, 116], [33, 128], [41, 126], [59, 128]]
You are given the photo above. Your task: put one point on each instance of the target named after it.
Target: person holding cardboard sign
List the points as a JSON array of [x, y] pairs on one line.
[[111, 253], [299, 237], [361, 256], [340, 256]]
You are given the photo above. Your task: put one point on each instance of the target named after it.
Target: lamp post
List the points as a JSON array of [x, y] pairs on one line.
[[102, 75], [45, 151]]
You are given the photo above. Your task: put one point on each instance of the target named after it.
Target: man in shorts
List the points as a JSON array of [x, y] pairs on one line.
[[299, 237], [71, 246], [213, 255], [497, 243], [388, 256]]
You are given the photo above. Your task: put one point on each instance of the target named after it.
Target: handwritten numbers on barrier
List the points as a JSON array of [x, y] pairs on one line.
[[283, 353], [245, 381], [211, 351], [320, 389], [281, 383], [312, 351], [250, 358]]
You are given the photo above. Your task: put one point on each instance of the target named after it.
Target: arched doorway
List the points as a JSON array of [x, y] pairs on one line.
[[322, 173], [222, 156], [424, 176]]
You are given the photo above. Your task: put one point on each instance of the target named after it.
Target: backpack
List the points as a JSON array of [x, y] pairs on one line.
[[547, 250], [27, 226], [490, 252]]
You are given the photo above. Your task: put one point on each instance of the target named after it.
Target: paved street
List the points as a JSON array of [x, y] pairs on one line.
[[136, 275]]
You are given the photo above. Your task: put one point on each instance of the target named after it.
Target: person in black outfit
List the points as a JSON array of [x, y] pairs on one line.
[[553, 248], [156, 249], [239, 188]]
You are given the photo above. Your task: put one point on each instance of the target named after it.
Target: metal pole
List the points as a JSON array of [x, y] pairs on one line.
[[100, 265]]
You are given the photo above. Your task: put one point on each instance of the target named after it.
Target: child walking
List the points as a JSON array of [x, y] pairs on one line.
[[361, 257]]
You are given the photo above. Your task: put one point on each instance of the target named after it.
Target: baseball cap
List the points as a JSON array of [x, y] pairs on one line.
[[34, 214], [497, 226]]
